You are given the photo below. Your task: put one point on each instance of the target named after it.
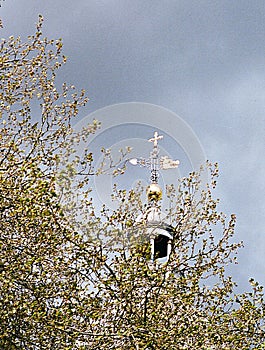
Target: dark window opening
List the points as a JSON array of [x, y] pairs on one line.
[[161, 246]]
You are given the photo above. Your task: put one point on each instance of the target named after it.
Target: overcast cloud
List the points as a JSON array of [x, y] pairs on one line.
[[204, 60]]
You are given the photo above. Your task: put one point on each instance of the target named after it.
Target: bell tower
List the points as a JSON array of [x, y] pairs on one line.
[[158, 229]]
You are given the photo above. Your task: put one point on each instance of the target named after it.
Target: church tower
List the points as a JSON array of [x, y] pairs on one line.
[[158, 229]]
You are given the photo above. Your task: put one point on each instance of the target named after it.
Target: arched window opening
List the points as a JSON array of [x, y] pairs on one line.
[[161, 246]]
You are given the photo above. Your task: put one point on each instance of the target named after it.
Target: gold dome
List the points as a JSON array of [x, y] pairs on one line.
[[154, 192]]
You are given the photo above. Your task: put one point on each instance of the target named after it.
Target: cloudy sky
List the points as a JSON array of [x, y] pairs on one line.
[[203, 60]]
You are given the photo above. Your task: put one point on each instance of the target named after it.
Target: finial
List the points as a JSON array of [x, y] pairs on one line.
[[154, 192]]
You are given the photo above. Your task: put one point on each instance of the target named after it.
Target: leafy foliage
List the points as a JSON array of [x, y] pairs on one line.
[[72, 279]]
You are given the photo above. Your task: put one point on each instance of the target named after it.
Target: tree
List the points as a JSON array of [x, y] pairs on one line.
[[72, 279]]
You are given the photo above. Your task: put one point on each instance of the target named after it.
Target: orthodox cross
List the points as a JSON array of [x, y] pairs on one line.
[[153, 162]]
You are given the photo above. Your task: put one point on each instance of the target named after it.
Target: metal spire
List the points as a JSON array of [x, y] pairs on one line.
[[154, 162]]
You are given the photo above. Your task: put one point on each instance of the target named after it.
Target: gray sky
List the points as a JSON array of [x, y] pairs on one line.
[[204, 60]]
